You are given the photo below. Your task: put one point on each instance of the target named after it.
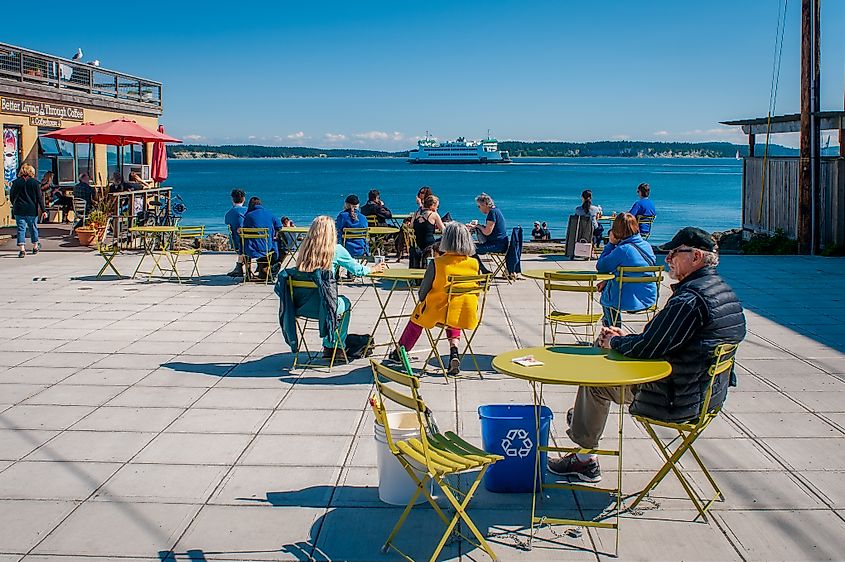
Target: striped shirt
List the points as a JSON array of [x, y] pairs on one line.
[[672, 327]]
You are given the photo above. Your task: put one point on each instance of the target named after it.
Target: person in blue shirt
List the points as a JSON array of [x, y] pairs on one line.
[[320, 250], [625, 248], [351, 217], [258, 217], [644, 207], [235, 220], [492, 235]]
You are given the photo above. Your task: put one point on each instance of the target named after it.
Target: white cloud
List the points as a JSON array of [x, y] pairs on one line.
[[194, 137], [661, 133], [299, 135], [252, 137], [373, 135], [621, 137], [334, 137]]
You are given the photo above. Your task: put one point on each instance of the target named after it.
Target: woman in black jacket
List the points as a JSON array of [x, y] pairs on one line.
[[28, 205]]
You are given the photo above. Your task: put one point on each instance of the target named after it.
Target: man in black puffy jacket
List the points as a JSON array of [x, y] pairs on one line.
[[702, 313]]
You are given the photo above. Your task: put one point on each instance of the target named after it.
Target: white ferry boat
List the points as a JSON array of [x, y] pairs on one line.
[[460, 151]]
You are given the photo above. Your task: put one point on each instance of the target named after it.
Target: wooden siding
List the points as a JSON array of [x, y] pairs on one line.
[[780, 198]]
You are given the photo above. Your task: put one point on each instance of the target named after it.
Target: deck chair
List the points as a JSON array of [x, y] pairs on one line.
[[688, 432], [188, 243], [300, 291], [249, 233], [650, 222], [585, 318], [643, 274], [433, 456], [458, 286]]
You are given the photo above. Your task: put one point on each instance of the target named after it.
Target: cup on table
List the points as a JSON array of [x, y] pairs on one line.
[[379, 260], [474, 222]]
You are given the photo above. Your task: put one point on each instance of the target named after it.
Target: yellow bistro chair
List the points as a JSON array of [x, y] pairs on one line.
[[584, 318], [188, 243], [108, 251], [372, 220], [650, 222], [357, 234], [644, 274], [433, 456], [459, 286], [688, 432], [297, 287], [251, 233]]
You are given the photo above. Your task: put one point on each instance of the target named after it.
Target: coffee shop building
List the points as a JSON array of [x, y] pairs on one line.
[[40, 93]]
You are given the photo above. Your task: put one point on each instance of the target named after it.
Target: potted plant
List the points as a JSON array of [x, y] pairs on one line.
[[94, 229]]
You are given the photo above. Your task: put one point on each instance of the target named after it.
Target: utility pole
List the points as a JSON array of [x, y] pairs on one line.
[[819, 219], [805, 198]]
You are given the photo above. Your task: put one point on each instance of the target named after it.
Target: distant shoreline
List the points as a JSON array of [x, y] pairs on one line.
[[230, 157]]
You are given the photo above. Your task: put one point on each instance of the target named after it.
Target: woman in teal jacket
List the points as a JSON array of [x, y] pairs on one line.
[[627, 249]]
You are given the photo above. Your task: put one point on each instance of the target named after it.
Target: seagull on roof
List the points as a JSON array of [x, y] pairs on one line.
[[78, 54], [95, 62]]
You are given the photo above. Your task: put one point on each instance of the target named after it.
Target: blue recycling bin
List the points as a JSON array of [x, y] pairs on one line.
[[510, 430]]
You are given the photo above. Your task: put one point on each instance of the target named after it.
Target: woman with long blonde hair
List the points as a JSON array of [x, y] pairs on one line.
[[320, 250]]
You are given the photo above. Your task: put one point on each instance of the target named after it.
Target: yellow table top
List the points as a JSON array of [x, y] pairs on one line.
[[382, 230], [401, 216], [541, 273], [581, 366], [399, 273], [294, 229], [152, 229]]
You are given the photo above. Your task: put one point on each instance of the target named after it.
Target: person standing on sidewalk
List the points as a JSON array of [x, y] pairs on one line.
[[28, 206]]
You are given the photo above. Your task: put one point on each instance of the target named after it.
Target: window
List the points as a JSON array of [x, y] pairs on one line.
[[84, 160], [131, 154]]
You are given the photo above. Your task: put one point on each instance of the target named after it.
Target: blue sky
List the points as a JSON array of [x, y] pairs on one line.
[[381, 74]]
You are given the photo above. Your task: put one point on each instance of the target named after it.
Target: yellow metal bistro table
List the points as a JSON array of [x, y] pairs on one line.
[[156, 242], [377, 236], [541, 274], [394, 276], [297, 235], [579, 366], [397, 220]]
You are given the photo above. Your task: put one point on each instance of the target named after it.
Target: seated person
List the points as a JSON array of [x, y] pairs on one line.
[[376, 207], [456, 247], [702, 313], [258, 217], [427, 221], [546, 234], [117, 184], [84, 191], [234, 219], [320, 250], [537, 231], [137, 182], [47, 188], [492, 235], [644, 207], [351, 217], [287, 240], [587, 209], [626, 248]]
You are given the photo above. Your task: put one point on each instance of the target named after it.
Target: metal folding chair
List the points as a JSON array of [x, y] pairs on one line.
[[578, 283], [296, 287], [688, 432], [250, 233], [638, 275], [357, 234], [650, 222], [460, 287], [437, 456], [79, 207], [188, 243], [108, 251]]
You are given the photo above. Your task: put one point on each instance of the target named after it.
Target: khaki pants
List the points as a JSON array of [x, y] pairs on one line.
[[592, 405]]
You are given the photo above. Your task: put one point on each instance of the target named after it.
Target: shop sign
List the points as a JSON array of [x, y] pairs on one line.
[[45, 122], [41, 109]]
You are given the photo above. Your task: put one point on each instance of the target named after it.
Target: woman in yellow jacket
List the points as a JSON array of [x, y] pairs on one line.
[[456, 247]]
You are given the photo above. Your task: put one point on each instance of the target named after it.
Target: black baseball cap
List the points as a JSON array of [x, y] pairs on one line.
[[352, 199], [691, 237]]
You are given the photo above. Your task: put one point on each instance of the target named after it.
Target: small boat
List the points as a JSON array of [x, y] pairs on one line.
[[738, 157]]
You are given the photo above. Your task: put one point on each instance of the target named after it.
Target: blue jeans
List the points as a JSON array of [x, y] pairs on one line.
[[611, 317], [23, 223], [343, 305], [490, 247]]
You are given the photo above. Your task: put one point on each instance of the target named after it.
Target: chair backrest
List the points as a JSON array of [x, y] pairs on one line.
[[254, 233], [79, 206], [641, 274], [468, 285], [372, 220], [231, 237], [646, 220], [569, 283], [185, 233], [723, 361], [407, 396], [354, 234]]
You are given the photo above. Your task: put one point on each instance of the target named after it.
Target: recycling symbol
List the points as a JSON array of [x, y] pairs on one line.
[[517, 443]]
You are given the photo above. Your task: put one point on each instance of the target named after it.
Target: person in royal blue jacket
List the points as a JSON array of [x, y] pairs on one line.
[[235, 220], [351, 217], [258, 217], [644, 207], [626, 248]]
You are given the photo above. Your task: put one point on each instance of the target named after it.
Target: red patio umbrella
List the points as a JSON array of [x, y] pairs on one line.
[[117, 132], [159, 167]]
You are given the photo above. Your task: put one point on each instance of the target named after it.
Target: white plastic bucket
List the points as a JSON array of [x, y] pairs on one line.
[[395, 486]]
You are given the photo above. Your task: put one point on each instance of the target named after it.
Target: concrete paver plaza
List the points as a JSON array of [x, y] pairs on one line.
[[157, 421]]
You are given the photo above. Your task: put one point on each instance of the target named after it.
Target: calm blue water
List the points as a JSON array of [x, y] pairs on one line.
[[700, 192]]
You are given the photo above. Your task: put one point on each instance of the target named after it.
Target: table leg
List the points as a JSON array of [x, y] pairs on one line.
[[147, 251]]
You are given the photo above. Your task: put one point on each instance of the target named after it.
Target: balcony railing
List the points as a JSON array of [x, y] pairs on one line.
[[23, 65]]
